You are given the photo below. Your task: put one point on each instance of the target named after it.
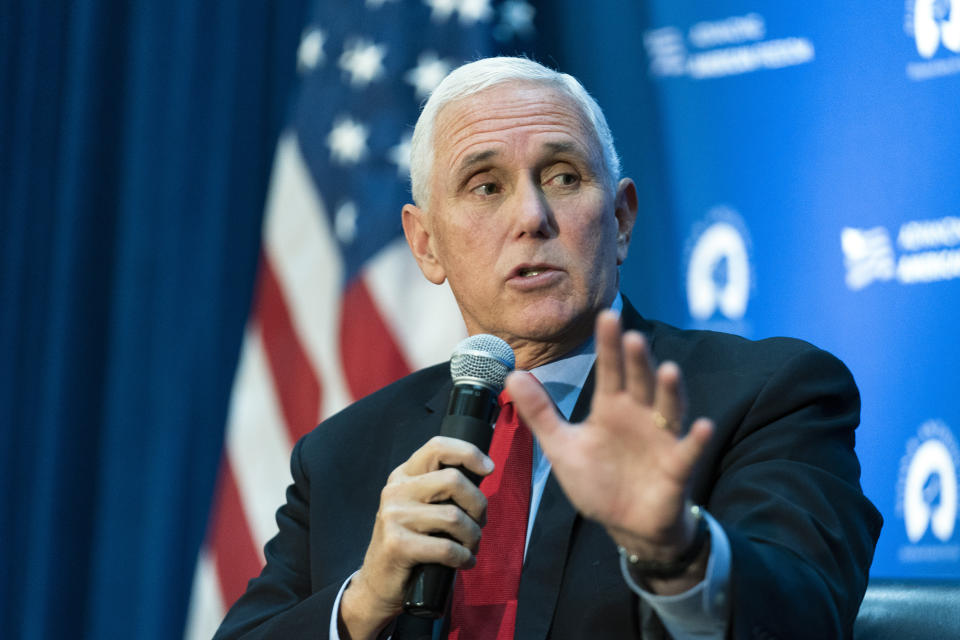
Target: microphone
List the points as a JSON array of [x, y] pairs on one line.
[[479, 366]]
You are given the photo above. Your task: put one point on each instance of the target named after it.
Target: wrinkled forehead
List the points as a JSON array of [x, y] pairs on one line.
[[513, 104]]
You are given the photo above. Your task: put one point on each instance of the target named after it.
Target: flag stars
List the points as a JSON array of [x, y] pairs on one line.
[[428, 73], [440, 10], [347, 141], [472, 11], [516, 19], [362, 60], [345, 222], [400, 155], [310, 52]]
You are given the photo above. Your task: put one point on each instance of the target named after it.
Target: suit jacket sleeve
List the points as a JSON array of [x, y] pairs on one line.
[[786, 489]]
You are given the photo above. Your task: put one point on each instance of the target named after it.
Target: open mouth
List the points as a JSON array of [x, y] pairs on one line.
[[529, 272]]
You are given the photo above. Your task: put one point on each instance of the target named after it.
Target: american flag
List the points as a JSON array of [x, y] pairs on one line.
[[340, 307]]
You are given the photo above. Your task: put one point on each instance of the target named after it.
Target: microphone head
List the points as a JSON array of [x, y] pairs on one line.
[[484, 359]]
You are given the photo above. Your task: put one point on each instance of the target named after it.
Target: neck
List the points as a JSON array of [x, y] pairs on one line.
[[535, 352], [531, 354]]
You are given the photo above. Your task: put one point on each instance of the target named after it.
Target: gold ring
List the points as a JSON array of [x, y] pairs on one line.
[[660, 421]]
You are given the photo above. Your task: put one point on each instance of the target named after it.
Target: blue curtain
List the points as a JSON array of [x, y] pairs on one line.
[[136, 140]]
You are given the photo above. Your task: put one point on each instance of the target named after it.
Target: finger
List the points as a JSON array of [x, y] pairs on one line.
[[448, 519], [534, 405], [444, 551], [407, 547], [440, 451], [436, 487], [669, 401], [690, 448], [638, 368], [609, 367]]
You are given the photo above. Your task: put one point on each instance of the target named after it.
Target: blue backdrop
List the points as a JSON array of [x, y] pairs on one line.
[[799, 175], [812, 168]]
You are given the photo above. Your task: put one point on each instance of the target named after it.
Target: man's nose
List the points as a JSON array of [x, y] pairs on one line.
[[533, 215]]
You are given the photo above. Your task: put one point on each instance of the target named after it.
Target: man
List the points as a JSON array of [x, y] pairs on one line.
[[520, 208]]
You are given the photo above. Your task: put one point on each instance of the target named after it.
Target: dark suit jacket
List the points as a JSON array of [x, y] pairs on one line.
[[780, 475]]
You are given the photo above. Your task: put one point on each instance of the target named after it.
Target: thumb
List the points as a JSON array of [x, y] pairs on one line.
[[533, 404]]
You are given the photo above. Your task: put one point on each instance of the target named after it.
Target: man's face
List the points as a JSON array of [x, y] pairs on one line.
[[522, 220]]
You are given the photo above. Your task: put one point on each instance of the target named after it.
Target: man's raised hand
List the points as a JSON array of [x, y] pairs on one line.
[[627, 466]]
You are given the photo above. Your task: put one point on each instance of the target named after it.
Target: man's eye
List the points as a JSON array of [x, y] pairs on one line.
[[485, 189], [564, 179]]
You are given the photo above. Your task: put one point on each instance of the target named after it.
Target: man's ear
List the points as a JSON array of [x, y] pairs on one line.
[[419, 236], [625, 210]]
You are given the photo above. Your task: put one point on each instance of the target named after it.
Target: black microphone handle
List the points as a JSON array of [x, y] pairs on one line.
[[429, 586]]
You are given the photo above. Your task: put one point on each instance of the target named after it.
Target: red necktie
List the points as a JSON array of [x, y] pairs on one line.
[[485, 597]]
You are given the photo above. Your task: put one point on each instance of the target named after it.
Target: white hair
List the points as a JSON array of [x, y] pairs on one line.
[[474, 77]]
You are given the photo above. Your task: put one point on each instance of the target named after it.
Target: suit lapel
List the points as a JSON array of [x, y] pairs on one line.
[[547, 552], [411, 435]]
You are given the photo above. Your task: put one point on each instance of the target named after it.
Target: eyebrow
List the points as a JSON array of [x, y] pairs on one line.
[[476, 158], [562, 147], [482, 156]]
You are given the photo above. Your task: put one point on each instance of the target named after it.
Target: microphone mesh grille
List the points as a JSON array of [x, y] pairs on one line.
[[482, 357]]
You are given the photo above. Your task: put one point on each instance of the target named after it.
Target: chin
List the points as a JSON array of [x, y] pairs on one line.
[[557, 323]]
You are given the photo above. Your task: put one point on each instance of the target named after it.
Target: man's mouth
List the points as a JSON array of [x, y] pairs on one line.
[[535, 275], [529, 272]]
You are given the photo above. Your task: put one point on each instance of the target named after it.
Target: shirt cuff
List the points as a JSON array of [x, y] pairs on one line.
[[334, 630], [703, 610]]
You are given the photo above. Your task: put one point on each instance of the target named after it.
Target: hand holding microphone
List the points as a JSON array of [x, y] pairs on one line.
[[430, 496], [479, 367]]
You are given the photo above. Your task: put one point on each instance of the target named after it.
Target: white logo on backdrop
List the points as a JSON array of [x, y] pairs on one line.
[[868, 256], [929, 252], [718, 268], [934, 24], [728, 47], [927, 494]]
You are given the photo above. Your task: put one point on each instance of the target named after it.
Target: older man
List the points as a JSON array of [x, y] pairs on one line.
[[520, 208]]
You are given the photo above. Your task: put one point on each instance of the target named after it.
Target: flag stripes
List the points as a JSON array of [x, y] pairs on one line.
[[300, 245], [363, 332], [296, 383], [258, 443], [236, 557]]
